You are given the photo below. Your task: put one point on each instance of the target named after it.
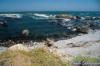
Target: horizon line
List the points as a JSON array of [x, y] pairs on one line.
[[53, 10]]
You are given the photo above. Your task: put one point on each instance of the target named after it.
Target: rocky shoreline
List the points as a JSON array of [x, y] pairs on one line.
[[85, 45]]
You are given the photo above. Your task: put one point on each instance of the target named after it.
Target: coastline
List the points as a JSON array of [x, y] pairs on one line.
[[69, 48], [70, 37]]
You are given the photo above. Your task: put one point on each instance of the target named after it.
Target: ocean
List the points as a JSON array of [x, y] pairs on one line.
[[40, 27]]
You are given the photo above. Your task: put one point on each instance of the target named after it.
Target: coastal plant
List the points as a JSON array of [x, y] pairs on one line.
[[36, 57], [86, 59]]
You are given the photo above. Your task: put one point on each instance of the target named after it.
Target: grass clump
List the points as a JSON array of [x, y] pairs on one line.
[[78, 59], [36, 57]]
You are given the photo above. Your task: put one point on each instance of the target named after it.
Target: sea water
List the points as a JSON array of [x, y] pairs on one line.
[[38, 28]]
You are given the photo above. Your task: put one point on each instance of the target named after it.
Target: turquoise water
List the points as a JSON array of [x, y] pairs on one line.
[[38, 28]]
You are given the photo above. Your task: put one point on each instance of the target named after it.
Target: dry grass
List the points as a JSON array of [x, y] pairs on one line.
[[36, 57]]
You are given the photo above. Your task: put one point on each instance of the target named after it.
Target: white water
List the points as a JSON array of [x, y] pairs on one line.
[[11, 15], [41, 15]]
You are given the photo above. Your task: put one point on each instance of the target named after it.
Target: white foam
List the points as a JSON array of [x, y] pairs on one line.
[[41, 15], [12, 15], [66, 20]]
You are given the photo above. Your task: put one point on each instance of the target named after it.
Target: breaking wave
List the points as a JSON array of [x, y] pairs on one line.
[[11, 15]]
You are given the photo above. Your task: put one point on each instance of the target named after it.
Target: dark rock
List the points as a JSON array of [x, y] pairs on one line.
[[48, 44]]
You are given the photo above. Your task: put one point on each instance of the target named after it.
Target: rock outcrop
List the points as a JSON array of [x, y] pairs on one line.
[[19, 47]]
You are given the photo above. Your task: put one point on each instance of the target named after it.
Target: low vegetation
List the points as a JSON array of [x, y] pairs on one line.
[[36, 57], [79, 59]]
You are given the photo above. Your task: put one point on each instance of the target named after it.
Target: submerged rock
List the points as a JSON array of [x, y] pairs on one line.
[[25, 32], [3, 23], [62, 16]]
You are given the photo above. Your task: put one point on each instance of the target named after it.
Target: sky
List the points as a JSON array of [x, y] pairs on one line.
[[49, 5]]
